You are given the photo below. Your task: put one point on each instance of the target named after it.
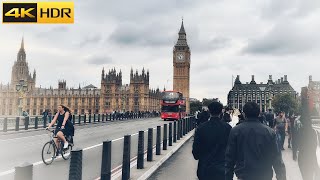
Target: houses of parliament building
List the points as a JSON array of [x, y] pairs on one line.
[[21, 94]]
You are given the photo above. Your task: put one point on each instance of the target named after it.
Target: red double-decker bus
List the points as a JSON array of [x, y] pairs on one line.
[[173, 105]]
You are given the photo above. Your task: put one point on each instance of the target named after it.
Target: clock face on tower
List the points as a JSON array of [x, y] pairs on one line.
[[180, 57]]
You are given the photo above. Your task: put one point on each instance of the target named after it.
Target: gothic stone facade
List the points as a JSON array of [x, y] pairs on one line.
[[181, 66], [113, 95], [261, 93], [311, 96]]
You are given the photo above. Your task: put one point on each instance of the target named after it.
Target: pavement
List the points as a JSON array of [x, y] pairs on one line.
[[26, 147], [182, 166]]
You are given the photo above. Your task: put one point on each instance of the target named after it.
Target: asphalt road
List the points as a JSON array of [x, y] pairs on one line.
[[26, 147]]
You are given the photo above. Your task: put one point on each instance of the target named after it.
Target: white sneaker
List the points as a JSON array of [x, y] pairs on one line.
[[66, 144]]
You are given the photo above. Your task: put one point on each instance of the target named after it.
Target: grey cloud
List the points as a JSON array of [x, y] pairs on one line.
[[136, 34], [94, 39], [124, 10], [285, 38], [99, 60], [288, 8]]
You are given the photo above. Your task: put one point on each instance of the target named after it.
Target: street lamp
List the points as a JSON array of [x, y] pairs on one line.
[[21, 88]]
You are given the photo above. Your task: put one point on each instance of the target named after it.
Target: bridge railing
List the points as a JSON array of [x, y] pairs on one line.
[[18, 123]]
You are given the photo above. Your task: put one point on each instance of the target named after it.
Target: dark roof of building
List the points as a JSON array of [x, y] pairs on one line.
[[90, 86]]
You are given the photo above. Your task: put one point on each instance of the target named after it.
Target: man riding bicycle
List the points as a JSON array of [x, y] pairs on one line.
[[64, 125]]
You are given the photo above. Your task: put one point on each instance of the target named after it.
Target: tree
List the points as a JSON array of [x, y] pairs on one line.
[[206, 102], [286, 103], [194, 106]]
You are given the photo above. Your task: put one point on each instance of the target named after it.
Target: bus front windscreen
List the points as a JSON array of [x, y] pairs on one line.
[[170, 96], [170, 109]]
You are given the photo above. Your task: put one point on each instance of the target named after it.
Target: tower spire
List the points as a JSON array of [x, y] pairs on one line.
[[182, 31], [22, 43]]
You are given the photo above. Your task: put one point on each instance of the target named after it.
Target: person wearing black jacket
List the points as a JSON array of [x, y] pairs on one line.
[[209, 145], [252, 149]]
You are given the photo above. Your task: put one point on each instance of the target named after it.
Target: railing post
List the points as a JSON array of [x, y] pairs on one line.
[[89, 118], [79, 119], [170, 134], [126, 157], [106, 161], [17, 123], [5, 125], [175, 131], [36, 121], [24, 172], [140, 150], [178, 130], [73, 119], [45, 122], [75, 169], [26, 123], [150, 144], [165, 136], [181, 129], [158, 141]]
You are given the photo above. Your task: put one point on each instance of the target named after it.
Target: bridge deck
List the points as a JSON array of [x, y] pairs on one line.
[[182, 165]]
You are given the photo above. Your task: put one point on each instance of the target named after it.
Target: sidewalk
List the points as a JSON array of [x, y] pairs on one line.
[[182, 166]]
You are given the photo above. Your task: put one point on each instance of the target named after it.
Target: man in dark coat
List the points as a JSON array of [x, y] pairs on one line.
[[203, 117], [252, 149], [209, 145], [270, 118]]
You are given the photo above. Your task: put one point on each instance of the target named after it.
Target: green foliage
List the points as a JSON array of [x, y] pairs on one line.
[[194, 106], [286, 103], [206, 102]]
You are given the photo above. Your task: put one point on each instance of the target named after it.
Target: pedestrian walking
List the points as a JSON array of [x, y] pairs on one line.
[[281, 128], [307, 145], [209, 145], [252, 149]]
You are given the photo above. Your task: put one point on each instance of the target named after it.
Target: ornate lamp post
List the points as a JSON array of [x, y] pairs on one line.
[[21, 88]]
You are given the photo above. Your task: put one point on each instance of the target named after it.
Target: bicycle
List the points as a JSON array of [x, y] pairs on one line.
[[50, 149]]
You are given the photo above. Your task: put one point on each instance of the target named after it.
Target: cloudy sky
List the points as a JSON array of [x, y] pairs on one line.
[[226, 37]]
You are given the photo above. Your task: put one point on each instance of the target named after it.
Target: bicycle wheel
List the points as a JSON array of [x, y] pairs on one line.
[[66, 153], [48, 152]]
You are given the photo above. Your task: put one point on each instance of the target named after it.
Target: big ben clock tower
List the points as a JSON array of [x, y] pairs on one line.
[[181, 66]]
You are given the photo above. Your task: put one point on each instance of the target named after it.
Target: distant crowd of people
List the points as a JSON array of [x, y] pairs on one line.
[[248, 143]]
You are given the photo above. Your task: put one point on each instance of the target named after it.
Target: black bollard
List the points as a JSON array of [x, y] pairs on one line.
[[98, 117], [106, 161], [102, 119], [73, 119], [89, 118], [181, 128], [79, 119], [165, 137], [36, 121], [23, 172], [26, 123], [17, 123], [45, 122], [175, 131], [94, 117], [110, 116], [184, 127], [178, 130], [84, 118], [150, 144], [75, 169], [126, 157], [5, 125], [140, 150], [170, 134], [158, 141]]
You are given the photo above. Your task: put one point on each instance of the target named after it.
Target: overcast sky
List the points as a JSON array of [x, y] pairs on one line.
[[226, 37]]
